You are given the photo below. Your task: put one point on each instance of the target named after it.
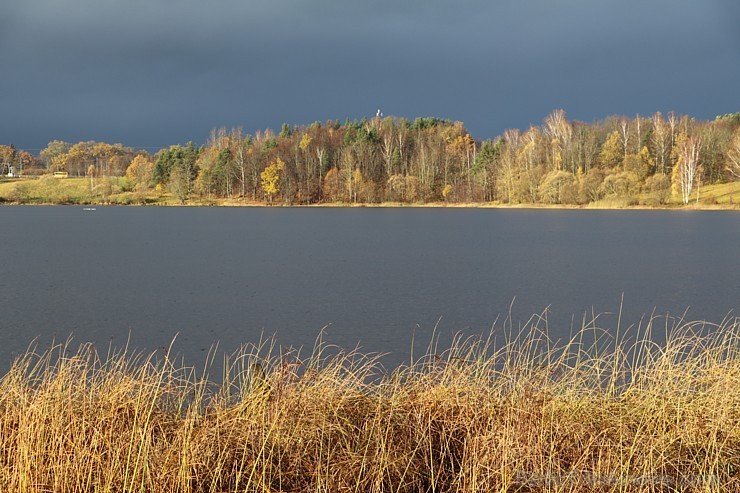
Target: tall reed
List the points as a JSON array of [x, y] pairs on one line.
[[511, 412]]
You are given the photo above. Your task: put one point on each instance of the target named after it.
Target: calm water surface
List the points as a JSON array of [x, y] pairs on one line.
[[375, 277]]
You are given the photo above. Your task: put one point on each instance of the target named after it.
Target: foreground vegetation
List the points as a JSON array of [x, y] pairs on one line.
[[637, 161], [521, 414]]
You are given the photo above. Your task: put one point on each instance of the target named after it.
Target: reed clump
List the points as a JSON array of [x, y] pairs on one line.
[[523, 413]]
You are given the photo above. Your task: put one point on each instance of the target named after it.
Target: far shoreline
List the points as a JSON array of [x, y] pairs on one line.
[[232, 203], [80, 192]]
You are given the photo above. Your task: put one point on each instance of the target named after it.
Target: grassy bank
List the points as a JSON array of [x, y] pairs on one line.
[[115, 191], [522, 414], [49, 190]]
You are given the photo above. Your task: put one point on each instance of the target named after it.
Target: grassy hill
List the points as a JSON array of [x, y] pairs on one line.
[[49, 190]]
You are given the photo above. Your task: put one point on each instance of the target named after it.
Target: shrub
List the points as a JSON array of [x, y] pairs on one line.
[[590, 186], [557, 187], [34, 172], [19, 193], [659, 185], [621, 184]]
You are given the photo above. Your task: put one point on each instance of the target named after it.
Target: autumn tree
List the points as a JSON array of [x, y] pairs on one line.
[[311, 167], [105, 158], [180, 184], [359, 187], [271, 178], [640, 164], [624, 133], [687, 167], [531, 156], [560, 133], [206, 180], [660, 141], [242, 151], [733, 155], [426, 159], [53, 151], [7, 157], [508, 169], [334, 190], [585, 146], [78, 158], [716, 141], [139, 172], [612, 151], [21, 160], [389, 150], [462, 149]]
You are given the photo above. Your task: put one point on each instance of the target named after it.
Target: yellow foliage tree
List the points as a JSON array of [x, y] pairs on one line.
[[612, 152], [305, 142], [647, 160], [461, 144], [139, 172], [58, 163], [687, 170], [640, 164], [271, 178], [355, 182], [77, 158]]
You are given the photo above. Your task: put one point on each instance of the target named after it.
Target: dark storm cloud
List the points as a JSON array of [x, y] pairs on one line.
[[156, 72], [729, 11]]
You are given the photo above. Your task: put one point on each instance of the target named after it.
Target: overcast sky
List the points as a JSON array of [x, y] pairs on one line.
[[151, 73]]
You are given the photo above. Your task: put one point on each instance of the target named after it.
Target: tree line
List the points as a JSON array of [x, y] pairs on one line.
[[423, 160]]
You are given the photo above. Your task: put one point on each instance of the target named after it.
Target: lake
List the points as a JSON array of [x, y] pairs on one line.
[[377, 277]]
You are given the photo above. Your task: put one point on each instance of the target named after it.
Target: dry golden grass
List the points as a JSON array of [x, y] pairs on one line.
[[521, 414]]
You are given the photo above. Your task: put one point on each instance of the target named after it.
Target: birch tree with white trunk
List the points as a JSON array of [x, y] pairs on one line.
[[687, 169]]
